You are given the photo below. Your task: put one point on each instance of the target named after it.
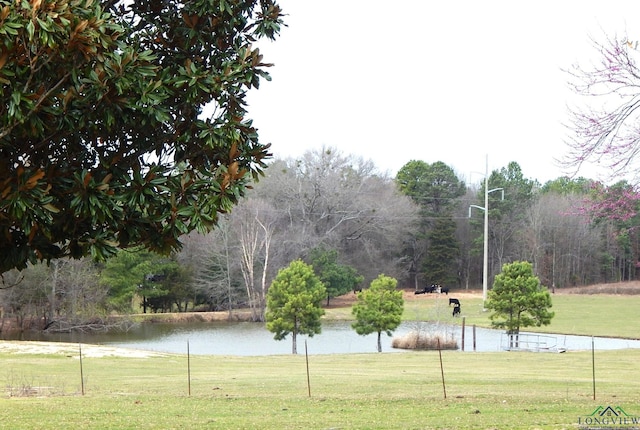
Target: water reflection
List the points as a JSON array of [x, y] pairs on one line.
[[251, 339]]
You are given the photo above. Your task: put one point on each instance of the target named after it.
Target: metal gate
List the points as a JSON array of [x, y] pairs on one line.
[[530, 342]]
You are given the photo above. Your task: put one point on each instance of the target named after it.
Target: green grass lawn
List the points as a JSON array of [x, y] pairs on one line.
[[590, 315], [385, 391], [351, 391]]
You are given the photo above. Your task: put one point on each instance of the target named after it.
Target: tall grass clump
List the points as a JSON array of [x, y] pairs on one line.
[[426, 336], [419, 340], [427, 332]]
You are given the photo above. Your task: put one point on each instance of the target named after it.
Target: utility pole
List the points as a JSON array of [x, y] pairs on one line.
[[485, 260]]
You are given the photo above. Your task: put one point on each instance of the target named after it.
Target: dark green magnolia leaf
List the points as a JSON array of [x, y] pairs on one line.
[[105, 97]]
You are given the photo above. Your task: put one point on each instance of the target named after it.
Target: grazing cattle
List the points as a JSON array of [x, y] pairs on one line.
[[454, 302], [433, 288], [456, 310]]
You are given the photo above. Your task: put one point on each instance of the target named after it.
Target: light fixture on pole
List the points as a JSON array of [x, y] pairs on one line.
[[485, 261]]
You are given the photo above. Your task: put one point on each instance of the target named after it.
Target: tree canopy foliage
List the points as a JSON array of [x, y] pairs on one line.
[[159, 282], [103, 139], [435, 188], [337, 278], [441, 263], [518, 299], [379, 308], [604, 130], [575, 232], [293, 303]]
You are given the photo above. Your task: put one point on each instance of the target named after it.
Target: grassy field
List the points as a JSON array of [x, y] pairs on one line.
[[496, 390], [592, 315], [377, 391]]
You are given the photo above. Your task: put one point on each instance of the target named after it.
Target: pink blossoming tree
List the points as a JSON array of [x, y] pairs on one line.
[[607, 129]]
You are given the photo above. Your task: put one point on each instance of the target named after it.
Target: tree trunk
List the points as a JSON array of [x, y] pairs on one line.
[[379, 341], [266, 245], [54, 281], [294, 342]]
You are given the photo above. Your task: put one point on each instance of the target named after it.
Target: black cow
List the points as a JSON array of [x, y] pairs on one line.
[[426, 290], [445, 290], [456, 310], [454, 302]]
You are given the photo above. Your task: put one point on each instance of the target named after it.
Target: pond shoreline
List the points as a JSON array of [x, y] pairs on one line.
[[218, 336], [9, 331], [338, 310]]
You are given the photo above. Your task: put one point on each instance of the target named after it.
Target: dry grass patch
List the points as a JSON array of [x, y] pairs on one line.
[[624, 288], [425, 341], [193, 317]]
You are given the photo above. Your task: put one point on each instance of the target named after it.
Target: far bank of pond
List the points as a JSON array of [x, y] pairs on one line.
[[337, 337]]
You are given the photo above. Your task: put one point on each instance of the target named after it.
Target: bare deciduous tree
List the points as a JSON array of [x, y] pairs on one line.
[[210, 260], [339, 202], [254, 223]]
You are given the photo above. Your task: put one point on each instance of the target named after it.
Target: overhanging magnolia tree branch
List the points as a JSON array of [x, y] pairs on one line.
[[103, 141]]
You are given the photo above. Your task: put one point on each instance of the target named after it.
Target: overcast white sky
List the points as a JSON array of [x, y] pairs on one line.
[[455, 81]]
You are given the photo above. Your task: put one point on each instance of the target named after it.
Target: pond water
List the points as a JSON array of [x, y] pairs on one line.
[[251, 339]]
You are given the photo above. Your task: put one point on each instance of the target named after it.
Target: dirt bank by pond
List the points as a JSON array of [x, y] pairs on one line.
[[189, 317], [73, 350]]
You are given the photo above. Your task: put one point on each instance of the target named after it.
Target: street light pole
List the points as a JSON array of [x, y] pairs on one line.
[[485, 260]]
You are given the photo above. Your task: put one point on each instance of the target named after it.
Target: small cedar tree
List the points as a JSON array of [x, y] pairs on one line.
[[379, 308], [518, 299], [294, 303]]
